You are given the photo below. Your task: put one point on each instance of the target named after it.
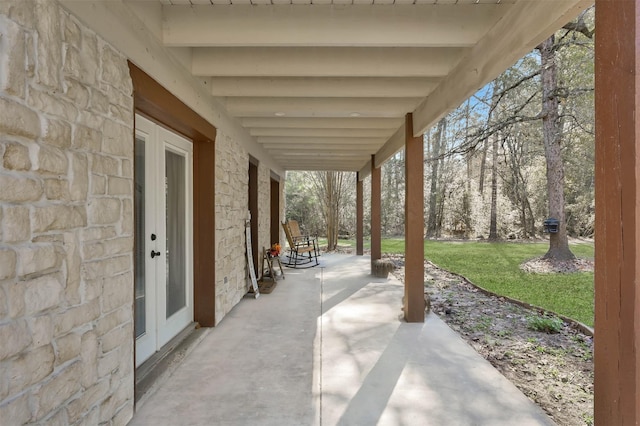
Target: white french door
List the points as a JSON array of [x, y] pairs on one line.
[[164, 245]]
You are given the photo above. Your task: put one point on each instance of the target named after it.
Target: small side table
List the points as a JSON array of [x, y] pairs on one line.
[[269, 259]]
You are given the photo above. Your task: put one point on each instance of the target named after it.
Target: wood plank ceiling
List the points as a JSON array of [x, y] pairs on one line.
[[324, 84]]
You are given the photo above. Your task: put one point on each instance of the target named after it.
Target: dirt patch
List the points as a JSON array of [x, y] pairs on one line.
[[554, 370], [546, 266]]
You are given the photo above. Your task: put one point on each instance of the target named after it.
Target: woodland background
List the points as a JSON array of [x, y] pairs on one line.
[[486, 162]]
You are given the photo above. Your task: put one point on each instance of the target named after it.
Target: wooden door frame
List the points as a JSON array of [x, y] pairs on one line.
[[157, 103], [275, 209], [254, 183]]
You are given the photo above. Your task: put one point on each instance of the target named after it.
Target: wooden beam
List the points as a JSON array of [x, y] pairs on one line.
[[321, 107], [323, 133], [617, 261], [325, 61], [328, 25], [324, 123], [319, 140], [359, 216], [395, 143], [376, 217], [414, 226], [365, 171], [322, 87]]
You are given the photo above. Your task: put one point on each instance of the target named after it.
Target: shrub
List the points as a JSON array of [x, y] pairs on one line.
[[545, 323]]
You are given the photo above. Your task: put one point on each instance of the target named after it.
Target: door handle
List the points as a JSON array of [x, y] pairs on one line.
[[154, 254]]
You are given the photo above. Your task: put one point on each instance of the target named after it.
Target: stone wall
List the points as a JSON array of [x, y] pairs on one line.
[[66, 221], [232, 199]]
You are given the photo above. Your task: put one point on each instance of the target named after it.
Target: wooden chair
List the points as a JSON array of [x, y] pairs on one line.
[[302, 251], [297, 235]]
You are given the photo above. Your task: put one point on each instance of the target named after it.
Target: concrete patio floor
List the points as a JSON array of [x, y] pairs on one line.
[[328, 347]]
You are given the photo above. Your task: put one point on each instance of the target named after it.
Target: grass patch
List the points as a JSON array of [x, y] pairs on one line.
[[496, 267]]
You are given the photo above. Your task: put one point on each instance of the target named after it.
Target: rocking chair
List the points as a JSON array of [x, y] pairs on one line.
[[302, 250], [297, 235]]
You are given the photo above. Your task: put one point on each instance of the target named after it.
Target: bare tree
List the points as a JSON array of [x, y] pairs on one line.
[[493, 227], [516, 157], [551, 130], [329, 187], [437, 146]]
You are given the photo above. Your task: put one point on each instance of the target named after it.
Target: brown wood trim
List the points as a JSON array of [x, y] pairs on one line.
[[413, 225], [617, 262], [253, 208], [376, 217], [359, 216], [275, 212], [204, 233], [157, 103]]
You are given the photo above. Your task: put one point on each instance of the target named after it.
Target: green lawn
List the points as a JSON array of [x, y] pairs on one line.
[[495, 267]]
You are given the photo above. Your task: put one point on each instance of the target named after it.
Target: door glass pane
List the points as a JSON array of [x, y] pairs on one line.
[[176, 227], [140, 292]]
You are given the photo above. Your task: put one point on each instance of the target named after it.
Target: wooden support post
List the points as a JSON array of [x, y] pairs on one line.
[[617, 260], [359, 216], [376, 220], [413, 225]]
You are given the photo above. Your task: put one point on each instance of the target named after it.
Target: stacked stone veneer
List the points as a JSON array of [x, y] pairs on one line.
[[232, 200], [66, 222], [264, 208]]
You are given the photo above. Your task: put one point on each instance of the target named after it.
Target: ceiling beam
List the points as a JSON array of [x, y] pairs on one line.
[[324, 61], [328, 25], [393, 145], [322, 87], [319, 159], [536, 20], [317, 142], [323, 166], [365, 171], [323, 123], [321, 107], [283, 153], [344, 133]]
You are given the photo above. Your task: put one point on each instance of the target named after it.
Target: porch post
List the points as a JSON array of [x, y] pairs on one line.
[[617, 261], [376, 221], [413, 225], [359, 217]]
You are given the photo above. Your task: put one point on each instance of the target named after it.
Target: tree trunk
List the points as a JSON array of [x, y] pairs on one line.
[[558, 242], [493, 227], [432, 222], [329, 189]]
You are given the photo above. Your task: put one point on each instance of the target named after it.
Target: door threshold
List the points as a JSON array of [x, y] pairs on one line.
[[155, 371]]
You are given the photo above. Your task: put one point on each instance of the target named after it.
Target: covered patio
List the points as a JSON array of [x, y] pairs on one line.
[[329, 346], [252, 89]]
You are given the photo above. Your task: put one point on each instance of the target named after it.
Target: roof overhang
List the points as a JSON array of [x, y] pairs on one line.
[[325, 86]]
